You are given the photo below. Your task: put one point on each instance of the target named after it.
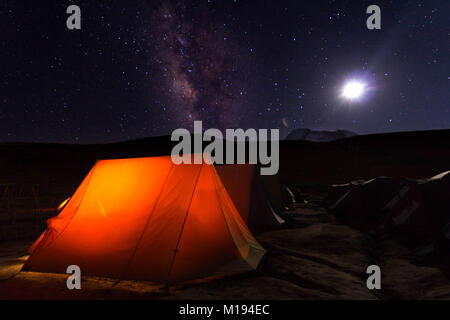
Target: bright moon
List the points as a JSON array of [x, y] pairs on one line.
[[353, 90]]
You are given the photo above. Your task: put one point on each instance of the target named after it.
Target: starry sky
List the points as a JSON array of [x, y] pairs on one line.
[[144, 68]]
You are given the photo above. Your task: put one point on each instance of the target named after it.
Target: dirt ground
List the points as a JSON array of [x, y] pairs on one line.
[[311, 257]]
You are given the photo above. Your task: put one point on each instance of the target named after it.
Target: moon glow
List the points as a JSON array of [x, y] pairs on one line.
[[353, 90]]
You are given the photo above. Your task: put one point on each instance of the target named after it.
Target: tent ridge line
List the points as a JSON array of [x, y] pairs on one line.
[[184, 222], [146, 224]]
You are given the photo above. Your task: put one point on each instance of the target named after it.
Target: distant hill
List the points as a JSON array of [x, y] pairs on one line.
[[415, 154], [319, 136]]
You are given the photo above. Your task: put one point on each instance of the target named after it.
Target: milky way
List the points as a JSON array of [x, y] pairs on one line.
[[200, 68], [144, 68]]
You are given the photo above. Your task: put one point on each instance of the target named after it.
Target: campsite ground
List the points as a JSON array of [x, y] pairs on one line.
[[312, 257]]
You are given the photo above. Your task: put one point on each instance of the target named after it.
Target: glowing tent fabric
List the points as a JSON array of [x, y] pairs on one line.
[[146, 218]]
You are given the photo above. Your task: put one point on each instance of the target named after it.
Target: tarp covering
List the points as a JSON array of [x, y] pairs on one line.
[[417, 210], [146, 218]]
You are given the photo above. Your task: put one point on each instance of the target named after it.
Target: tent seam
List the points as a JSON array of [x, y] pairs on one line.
[[184, 222], [146, 224]]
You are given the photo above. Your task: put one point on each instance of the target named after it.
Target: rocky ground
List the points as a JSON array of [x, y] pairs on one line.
[[312, 257]]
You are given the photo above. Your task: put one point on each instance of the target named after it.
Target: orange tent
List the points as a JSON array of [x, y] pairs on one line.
[[250, 193], [146, 218]]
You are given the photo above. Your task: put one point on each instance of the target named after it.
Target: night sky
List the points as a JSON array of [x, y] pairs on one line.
[[144, 68]]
